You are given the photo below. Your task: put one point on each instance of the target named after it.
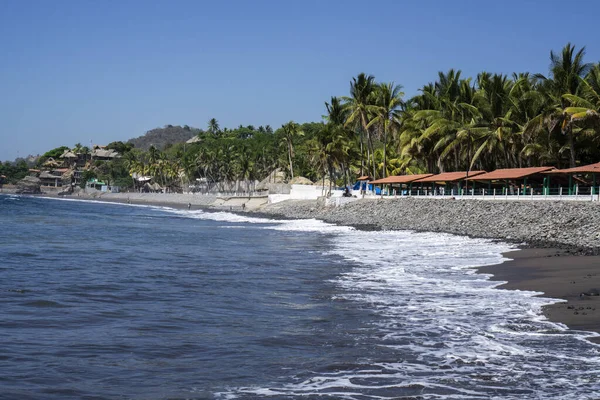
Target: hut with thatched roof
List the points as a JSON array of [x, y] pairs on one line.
[[51, 163], [274, 183], [300, 180]]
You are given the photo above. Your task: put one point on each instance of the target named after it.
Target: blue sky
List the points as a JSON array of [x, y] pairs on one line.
[[100, 71]]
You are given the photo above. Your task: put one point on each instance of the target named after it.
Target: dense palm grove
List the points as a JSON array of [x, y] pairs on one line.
[[453, 124]]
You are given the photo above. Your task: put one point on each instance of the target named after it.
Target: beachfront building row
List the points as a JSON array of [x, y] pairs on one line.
[[547, 181]]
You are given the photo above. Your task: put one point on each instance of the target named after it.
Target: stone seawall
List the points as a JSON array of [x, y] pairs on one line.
[[571, 225]]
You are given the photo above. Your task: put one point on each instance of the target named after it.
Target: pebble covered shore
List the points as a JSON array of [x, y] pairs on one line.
[[569, 225]]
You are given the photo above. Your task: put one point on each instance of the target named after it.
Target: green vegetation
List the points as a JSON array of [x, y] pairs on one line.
[[453, 124], [13, 171]]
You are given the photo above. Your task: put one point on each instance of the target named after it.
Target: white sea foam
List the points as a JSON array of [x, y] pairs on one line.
[[9, 196], [221, 216], [459, 336]]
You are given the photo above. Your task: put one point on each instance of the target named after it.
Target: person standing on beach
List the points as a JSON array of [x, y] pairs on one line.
[[189, 206]]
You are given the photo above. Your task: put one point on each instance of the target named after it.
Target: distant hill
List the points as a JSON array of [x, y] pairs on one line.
[[160, 137]]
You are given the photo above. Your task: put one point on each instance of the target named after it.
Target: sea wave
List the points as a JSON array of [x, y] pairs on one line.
[[455, 334]]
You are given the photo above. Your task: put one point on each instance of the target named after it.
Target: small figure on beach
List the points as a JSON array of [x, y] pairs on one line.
[[243, 206], [189, 206], [128, 201]]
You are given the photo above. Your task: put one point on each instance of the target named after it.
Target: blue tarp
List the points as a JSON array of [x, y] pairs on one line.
[[357, 186]]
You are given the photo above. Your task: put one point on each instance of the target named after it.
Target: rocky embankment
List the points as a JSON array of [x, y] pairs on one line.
[[571, 225]]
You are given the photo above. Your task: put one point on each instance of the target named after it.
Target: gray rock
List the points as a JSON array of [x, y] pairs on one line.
[[572, 225], [29, 185]]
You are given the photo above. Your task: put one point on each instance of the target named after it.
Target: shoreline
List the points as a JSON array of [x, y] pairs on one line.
[[559, 271], [557, 275]]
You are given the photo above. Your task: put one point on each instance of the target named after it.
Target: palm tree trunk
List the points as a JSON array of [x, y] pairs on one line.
[[571, 147], [290, 158], [368, 161], [362, 155], [372, 150], [384, 151], [343, 167], [329, 166]]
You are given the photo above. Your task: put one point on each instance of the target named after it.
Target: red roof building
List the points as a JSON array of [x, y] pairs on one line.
[[510, 174], [399, 179], [450, 177]]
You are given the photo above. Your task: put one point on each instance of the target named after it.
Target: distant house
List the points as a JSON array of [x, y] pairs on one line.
[[95, 184], [70, 159], [75, 159], [77, 177], [101, 186], [52, 178], [99, 153]]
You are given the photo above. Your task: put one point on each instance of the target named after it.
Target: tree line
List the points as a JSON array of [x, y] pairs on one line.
[[453, 124]]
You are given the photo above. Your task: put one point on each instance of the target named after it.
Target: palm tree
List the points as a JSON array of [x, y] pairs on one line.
[[447, 127], [213, 127], [291, 130], [566, 72], [386, 112], [77, 148], [336, 140], [585, 108], [497, 125], [337, 113], [361, 95]]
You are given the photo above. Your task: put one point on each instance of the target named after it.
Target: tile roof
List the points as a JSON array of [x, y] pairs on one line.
[[451, 176], [510, 173], [400, 179], [591, 168]]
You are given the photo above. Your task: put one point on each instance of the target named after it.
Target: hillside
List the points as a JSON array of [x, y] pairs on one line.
[[160, 137]]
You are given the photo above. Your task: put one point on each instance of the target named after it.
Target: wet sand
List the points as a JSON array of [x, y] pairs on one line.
[[559, 275]]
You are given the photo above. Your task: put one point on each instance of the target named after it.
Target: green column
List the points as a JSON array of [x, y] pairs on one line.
[[525, 186], [570, 184], [410, 190], [593, 184]]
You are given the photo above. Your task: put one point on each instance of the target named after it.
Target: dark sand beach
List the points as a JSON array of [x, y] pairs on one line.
[[559, 275]]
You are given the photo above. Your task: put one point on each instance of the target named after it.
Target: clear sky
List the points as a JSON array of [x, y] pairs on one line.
[[107, 70]]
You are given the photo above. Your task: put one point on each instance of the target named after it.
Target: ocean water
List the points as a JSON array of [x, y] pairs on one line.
[[107, 301]]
